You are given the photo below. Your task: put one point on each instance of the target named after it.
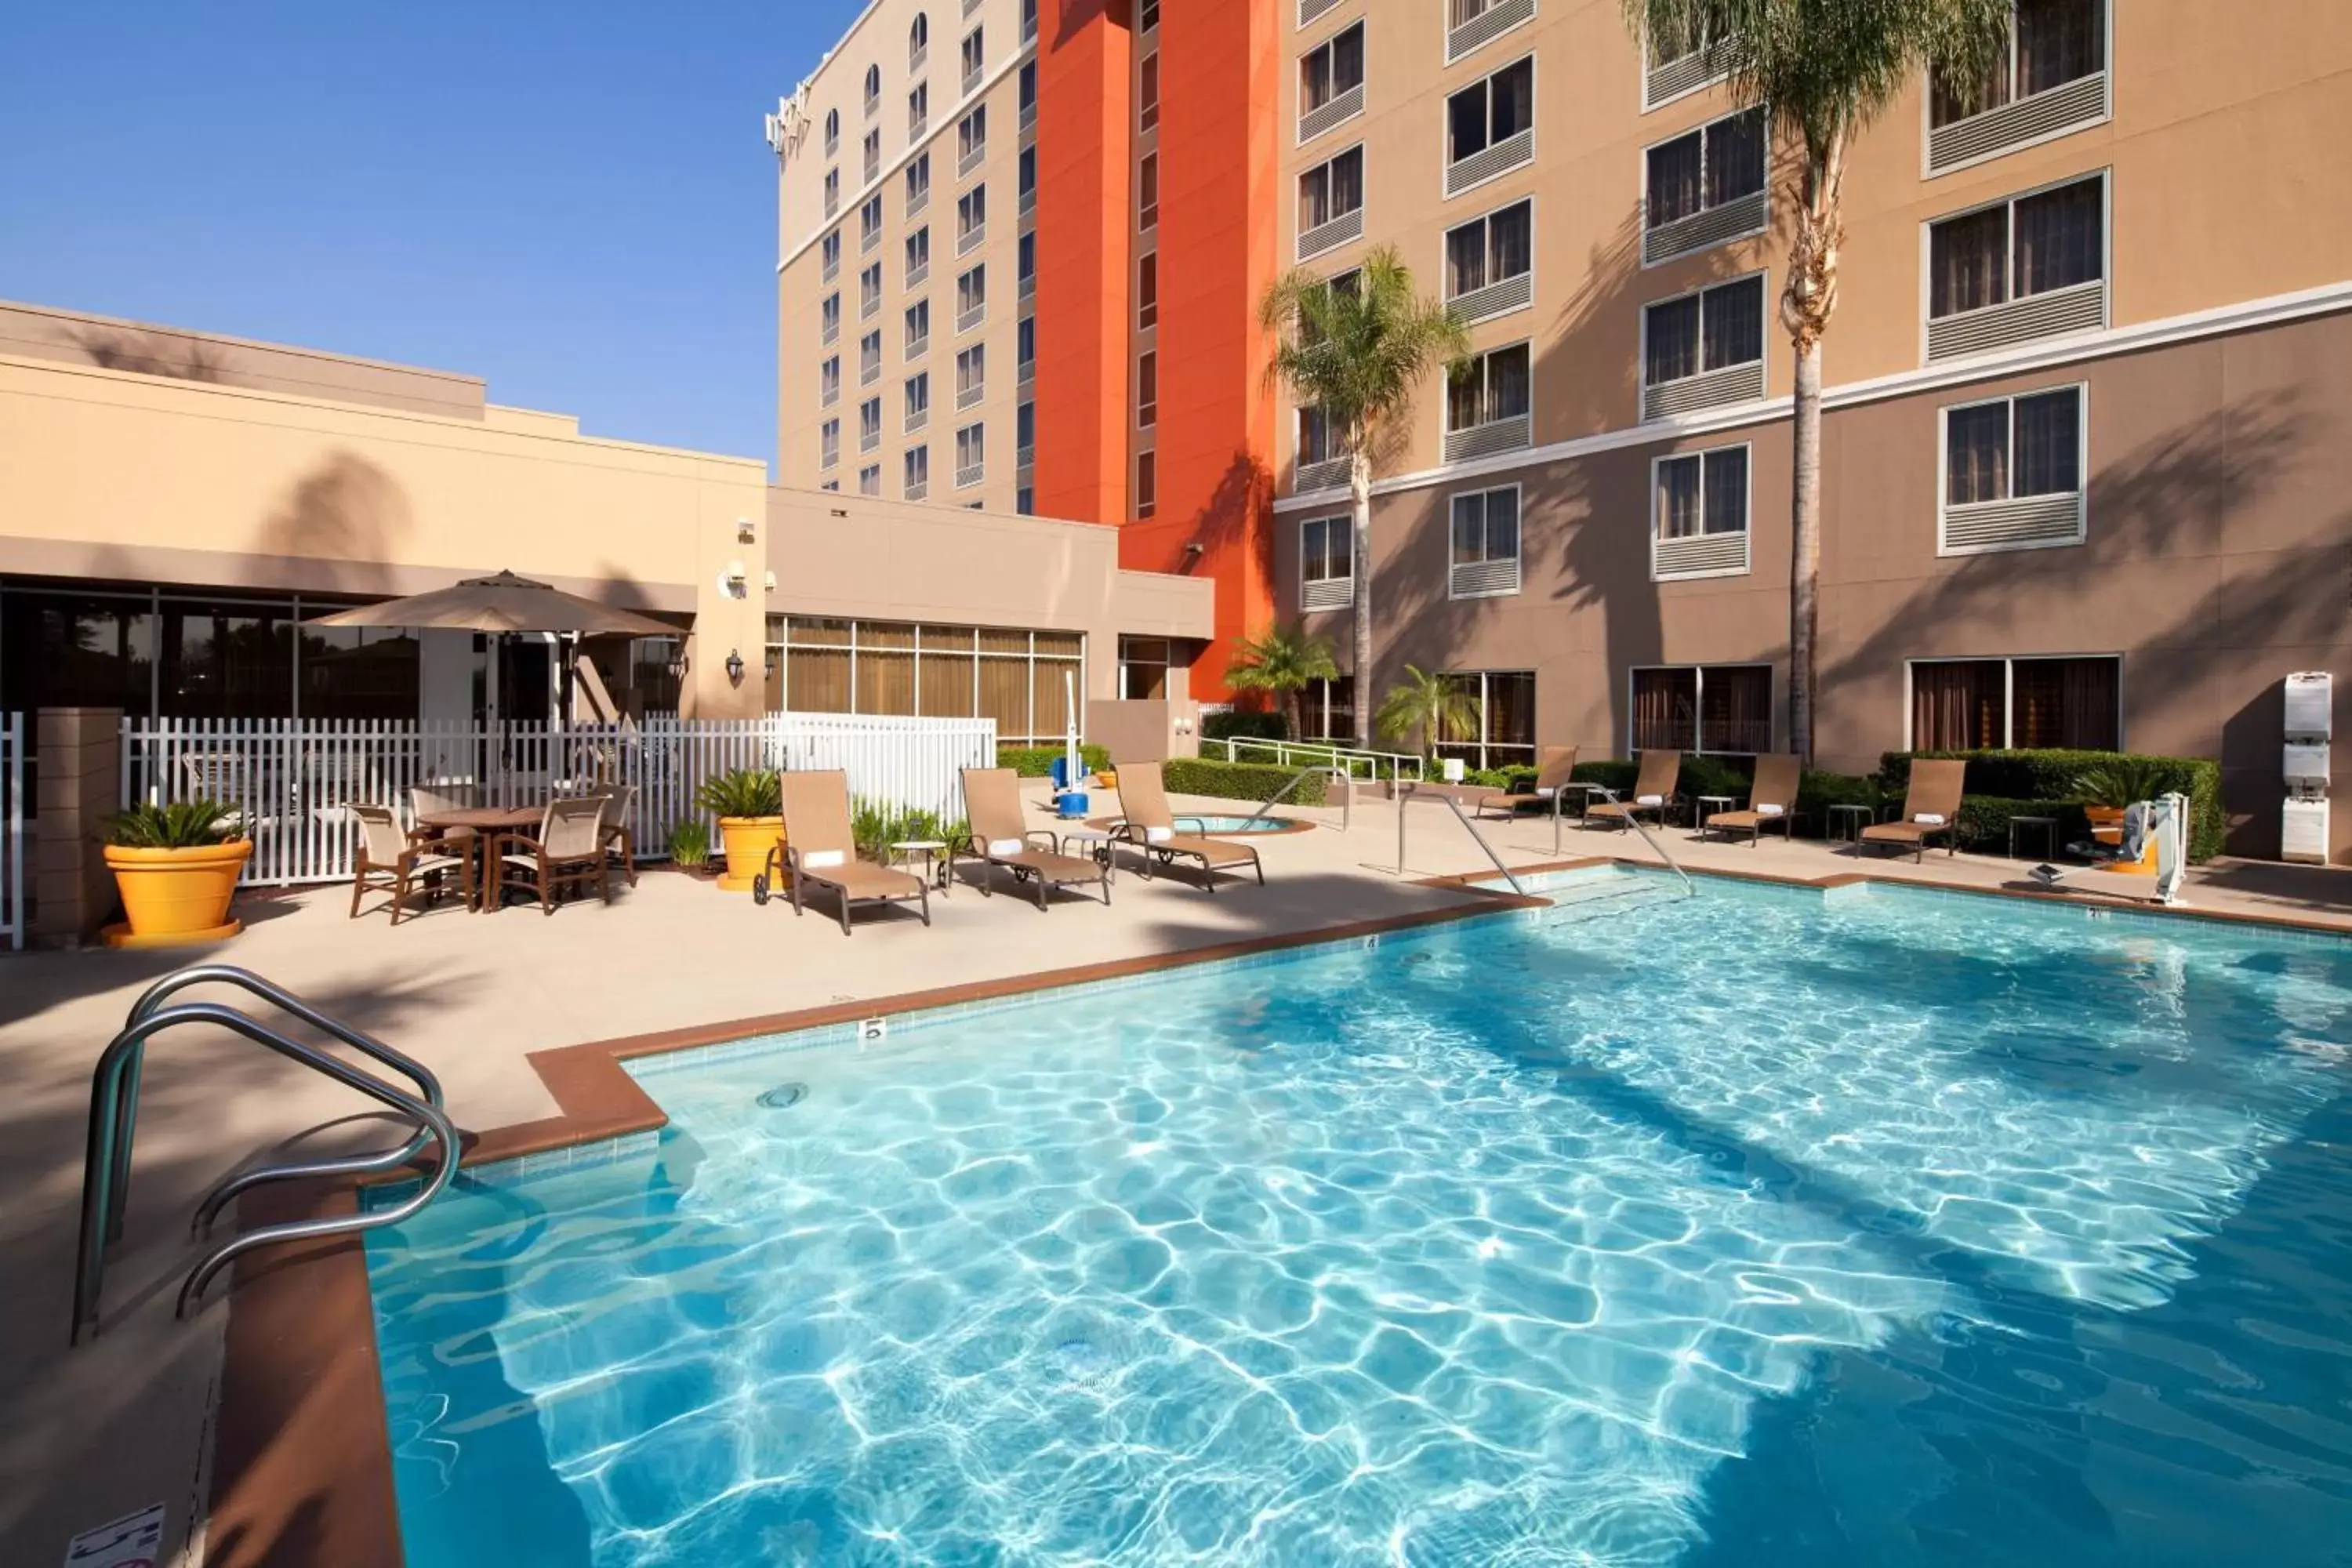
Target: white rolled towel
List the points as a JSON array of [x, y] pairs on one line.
[[1649, 800], [1157, 834], [818, 859], [1006, 845], [1929, 819], [1770, 810], [1544, 791]]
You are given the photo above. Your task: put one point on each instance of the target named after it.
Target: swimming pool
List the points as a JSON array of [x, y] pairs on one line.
[[1192, 822], [1756, 1227]]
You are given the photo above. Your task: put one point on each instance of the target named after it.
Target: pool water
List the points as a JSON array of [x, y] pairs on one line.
[[1190, 823], [1757, 1228]]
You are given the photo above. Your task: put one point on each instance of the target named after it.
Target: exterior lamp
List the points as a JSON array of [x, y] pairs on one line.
[[734, 666]]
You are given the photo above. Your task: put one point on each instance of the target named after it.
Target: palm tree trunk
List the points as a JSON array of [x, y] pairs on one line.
[[1359, 497], [1805, 306]]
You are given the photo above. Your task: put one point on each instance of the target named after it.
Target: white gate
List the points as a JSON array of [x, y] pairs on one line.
[[12, 829]]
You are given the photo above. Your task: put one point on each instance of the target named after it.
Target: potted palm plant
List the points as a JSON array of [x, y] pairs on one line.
[[176, 866], [750, 805]]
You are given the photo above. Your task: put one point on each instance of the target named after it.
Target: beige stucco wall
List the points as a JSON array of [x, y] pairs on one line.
[[120, 474]]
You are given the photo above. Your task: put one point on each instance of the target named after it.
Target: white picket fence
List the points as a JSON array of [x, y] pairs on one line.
[[12, 829], [296, 780]]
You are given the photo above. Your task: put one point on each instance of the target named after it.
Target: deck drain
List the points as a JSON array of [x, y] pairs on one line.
[[785, 1096]]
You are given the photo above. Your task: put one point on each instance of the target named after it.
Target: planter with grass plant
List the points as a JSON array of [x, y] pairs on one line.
[[2110, 787], [750, 805], [689, 847], [176, 867]]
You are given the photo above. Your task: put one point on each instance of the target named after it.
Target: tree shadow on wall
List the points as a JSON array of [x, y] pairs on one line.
[[148, 353], [349, 513]]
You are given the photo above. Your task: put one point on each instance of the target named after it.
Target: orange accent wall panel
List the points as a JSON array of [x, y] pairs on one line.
[[1084, 220], [1219, 100]]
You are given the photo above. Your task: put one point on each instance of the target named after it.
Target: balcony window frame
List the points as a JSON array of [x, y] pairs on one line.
[[2009, 663], [1774, 691], [919, 41], [1303, 82], [1483, 494], [917, 189], [1147, 291], [972, 282], [1651, 66], [1147, 389], [971, 139], [2081, 492], [971, 440], [1704, 130], [915, 471], [1147, 92], [1450, 160], [918, 109], [1332, 214], [971, 58], [1928, 127], [1521, 754], [1147, 193], [1760, 278], [971, 216], [828, 381], [1450, 22], [869, 358], [1339, 526], [915, 342], [971, 375], [915, 409], [1484, 358], [869, 290], [1484, 222], [918, 256], [2007, 204], [1704, 457], [1147, 484], [829, 443], [870, 222]]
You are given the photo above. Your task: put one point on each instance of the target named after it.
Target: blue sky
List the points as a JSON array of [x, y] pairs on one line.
[[572, 200]]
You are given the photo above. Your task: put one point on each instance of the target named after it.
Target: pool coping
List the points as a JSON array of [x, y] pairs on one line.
[[301, 1469]]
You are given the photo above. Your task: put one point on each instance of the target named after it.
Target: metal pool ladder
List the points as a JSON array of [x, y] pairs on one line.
[[1403, 796], [114, 1110], [1635, 823], [1347, 795]]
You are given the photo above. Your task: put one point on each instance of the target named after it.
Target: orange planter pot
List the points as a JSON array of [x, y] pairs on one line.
[[748, 841], [176, 896]]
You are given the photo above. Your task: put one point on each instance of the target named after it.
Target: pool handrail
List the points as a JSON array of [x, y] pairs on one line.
[[1404, 793], [1347, 797], [1663, 853]]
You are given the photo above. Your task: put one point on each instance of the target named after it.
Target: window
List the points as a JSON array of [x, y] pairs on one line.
[[1718, 707], [1327, 709], [873, 89], [832, 192], [919, 41], [1698, 514], [2049, 243], [1677, 63], [1327, 578], [1331, 82], [1503, 735], [832, 131], [1490, 126], [830, 485], [974, 56], [970, 455], [1704, 348], [971, 375], [869, 222], [828, 317], [1147, 92], [1028, 20], [1024, 499], [918, 256], [918, 400], [1485, 561], [1025, 181], [1019, 679], [1143, 668], [1147, 483], [1147, 290], [1024, 348], [869, 358], [971, 218], [972, 298], [829, 443], [918, 326], [971, 140], [1025, 434], [918, 109], [918, 183], [1487, 405], [916, 479], [1147, 390], [869, 424], [1470, 24], [1025, 264], [1322, 459], [1028, 94], [1147, 17], [1331, 203], [2051, 44], [2013, 473], [829, 250], [1704, 187], [869, 290], [872, 151], [1147, 189], [1975, 704], [1490, 262], [869, 479], [828, 380]]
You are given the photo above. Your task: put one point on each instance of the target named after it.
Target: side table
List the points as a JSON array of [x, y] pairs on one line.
[[938, 864], [1720, 802], [2049, 826], [1099, 841], [1857, 817]]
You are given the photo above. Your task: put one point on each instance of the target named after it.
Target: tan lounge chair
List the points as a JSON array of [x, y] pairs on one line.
[[991, 804], [1654, 791], [1930, 806], [392, 861], [1149, 825], [568, 852], [1551, 777], [820, 851], [1771, 802]]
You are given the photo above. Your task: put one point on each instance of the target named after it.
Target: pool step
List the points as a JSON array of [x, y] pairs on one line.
[[1602, 896]]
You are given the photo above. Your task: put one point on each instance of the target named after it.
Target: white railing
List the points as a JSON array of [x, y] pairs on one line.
[[12, 829], [295, 780], [1354, 762]]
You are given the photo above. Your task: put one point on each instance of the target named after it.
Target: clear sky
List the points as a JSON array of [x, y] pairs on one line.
[[570, 199]]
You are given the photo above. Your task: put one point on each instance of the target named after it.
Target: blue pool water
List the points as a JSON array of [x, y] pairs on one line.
[[1190, 823], [1752, 1228]]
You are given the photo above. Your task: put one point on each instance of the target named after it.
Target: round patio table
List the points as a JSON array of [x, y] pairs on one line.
[[488, 822]]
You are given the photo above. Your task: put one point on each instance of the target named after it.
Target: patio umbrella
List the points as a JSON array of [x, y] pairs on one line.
[[505, 603]]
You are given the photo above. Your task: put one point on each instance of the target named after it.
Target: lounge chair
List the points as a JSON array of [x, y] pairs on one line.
[[619, 837], [1654, 791], [1930, 806], [567, 852], [1149, 825], [991, 804], [820, 851], [1551, 777], [389, 860], [1771, 802]]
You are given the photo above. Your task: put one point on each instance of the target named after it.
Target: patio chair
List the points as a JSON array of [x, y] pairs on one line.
[[820, 851], [1551, 777], [389, 858], [1654, 791], [1771, 800], [441, 795], [619, 837], [991, 804], [567, 853], [1152, 827], [1931, 805]]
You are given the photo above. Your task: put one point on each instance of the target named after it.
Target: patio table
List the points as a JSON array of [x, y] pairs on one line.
[[488, 822]]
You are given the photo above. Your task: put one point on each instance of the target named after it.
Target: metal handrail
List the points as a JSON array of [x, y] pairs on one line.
[[1635, 823], [1330, 754], [149, 1001], [1347, 796], [106, 1126], [1402, 795]]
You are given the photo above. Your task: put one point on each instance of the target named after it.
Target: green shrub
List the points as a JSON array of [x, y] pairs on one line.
[[1239, 781], [183, 825], [1038, 762], [742, 792], [689, 842], [1984, 823], [1237, 724], [874, 826], [1818, 791], [2054, 777]]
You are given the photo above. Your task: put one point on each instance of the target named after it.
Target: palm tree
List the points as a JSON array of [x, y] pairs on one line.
[[1283, 661], [1824, 69], [1430, 707], [1357, 354]]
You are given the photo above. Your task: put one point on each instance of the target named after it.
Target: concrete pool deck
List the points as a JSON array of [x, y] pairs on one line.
[[125, 1421]]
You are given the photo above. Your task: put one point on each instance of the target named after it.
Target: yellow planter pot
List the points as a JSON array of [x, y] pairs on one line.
[[175, 896], [748, 841]]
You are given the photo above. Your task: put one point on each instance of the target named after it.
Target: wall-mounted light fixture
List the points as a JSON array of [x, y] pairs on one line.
[[770, 583], [1196, 548], [772, 661], [734, 666], [678, 662], [745, 531]]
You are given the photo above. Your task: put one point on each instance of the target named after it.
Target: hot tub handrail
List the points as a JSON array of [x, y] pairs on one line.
[[1347, 796]]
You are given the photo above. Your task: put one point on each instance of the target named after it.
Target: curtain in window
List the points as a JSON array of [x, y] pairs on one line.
[[1469, 529], [1676, 179], [1735, 157], [2058, 239], [1050, 713], [1502, 526], [945, 682], [819, 679], [2049, 444], [2069, 702], [1315, 437], [1512, 92], [1511, 716], [1678, 498], [1466, 259], [1465, 399], [1509, 243], [1734, 326], [885, 682], [1957, 705], [1727, 490], [1976, 454], [1005, 695], [2057, 42], [1348, 60], [1347, 181], [1665, 709], [1964, 256], [1331, 705], [1736, 711], [1507, 382], [1670, 341]]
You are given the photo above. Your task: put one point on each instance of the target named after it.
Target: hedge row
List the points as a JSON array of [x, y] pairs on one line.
[[2048, 779], [1250, 782], [1239, 724], [1038, 762]]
